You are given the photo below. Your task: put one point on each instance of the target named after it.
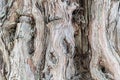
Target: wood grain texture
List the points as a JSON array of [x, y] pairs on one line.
[[59, 39]]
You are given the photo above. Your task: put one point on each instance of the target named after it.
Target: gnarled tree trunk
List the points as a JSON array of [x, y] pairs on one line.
[[59, 40]]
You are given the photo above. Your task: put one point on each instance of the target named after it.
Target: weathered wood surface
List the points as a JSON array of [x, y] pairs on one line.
[[59, 40]]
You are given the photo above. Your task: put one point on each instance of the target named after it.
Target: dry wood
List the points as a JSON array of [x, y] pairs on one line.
[[59, 40]]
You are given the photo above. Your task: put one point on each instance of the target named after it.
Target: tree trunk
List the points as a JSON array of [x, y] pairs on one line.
[[59, 40]]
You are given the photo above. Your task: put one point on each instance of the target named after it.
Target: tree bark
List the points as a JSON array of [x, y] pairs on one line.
[[59, 40]]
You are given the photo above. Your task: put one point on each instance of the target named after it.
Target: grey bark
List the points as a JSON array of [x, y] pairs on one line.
[[59, 40]]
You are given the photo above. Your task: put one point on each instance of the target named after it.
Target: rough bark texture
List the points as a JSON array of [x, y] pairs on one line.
[[59, 40]]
